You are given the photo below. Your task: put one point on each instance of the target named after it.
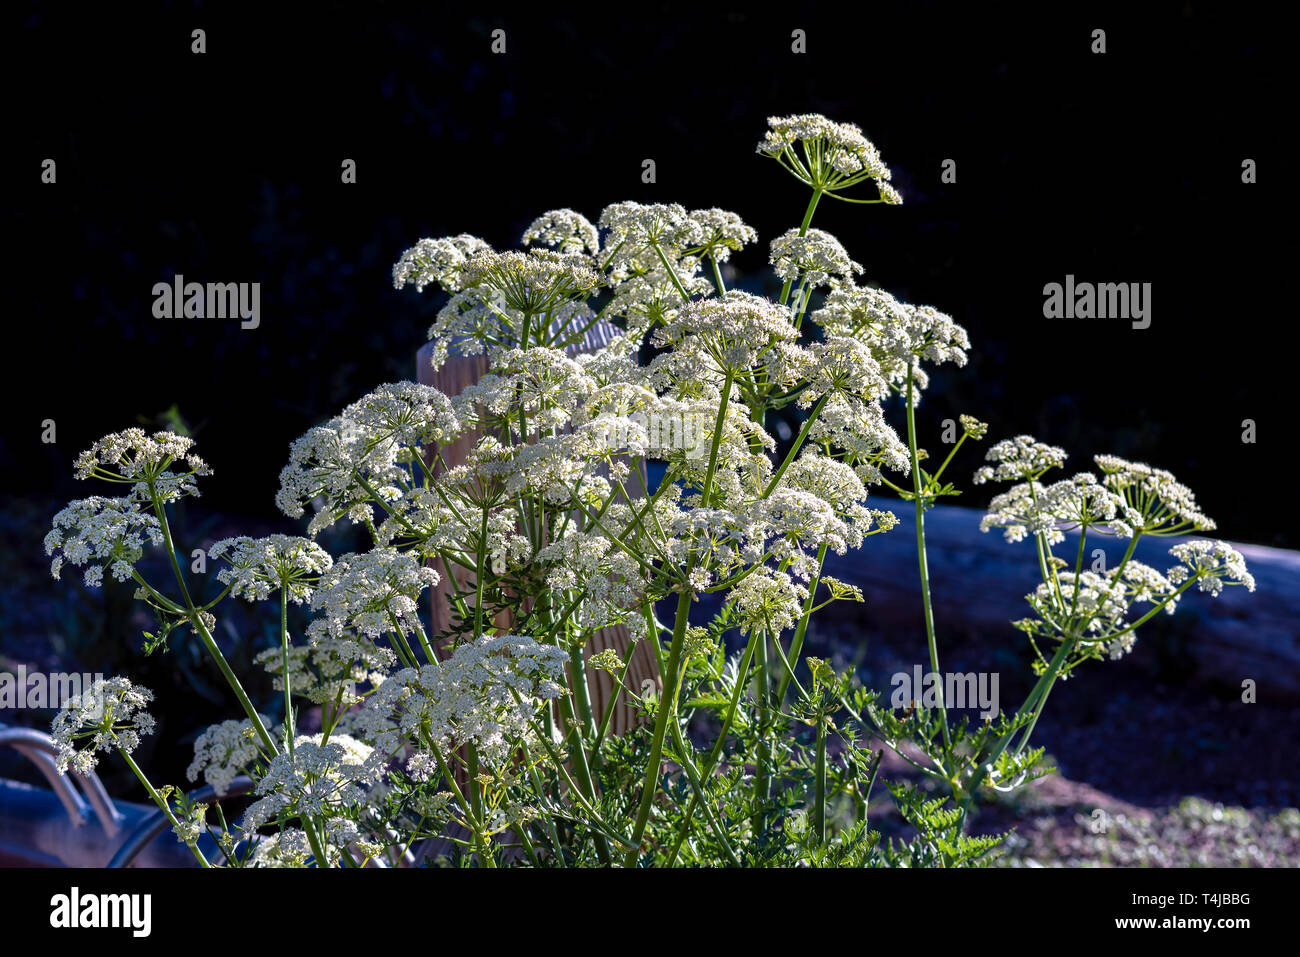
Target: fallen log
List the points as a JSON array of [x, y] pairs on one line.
[[979, 581]]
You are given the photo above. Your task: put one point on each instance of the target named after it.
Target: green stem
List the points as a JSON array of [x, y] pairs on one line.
[[672, 273], [717, 276], [667, 711], [716, 754], [698, 796], [762, 757], [205, 636], [819, 810], [484, 842], [798, 444], [796, 643], [289, 729], [162, 805], [921, 557], [718, 424], [803, 229]]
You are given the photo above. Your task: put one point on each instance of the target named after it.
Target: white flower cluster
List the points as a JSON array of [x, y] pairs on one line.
[[328, 670], [102, 534], [368, 444], [259, 566], [374, 593], [898, 334], [1094, 607], [632, 226], [869, 443], [827, 145], [647, 251], [769, 599], [1022, 458], [109, 715], [1032, 508], [732, 331], [843, 365], [223, 752], [287, 848], [486, 694], [1212, 563], [565, 230], [1168, 507], [535, 281], [141, 459], [317, 780], [609, 579], [437, 260], [721, 232], [814, 257]]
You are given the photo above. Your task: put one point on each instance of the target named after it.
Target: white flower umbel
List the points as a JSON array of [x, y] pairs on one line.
[[814, 257], [898, 334], [1022, 458], [257, 567], [224, 751], [1166, 506], [288, 848], [565, 231], [316, 780], [533, 282], [329, 670], [108, 716], [437, 260], [1032, 508], [142, 460], [732, 331], [487, 694], [370, 448], [373, 593], [768, 599], [864, 439], [103, 534], [830, 157], [1091, 609], [1211, 564], [634, 227], [720, 233]]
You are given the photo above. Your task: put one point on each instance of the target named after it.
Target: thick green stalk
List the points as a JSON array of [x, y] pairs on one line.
[[762, 680], [922, 560], [803, 229], [819, 809], [289, 729], [667, 711]]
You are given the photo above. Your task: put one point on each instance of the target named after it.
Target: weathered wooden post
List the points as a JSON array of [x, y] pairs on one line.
[[454, 375]]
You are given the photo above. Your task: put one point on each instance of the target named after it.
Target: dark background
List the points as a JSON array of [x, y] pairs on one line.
[[1120, 167]]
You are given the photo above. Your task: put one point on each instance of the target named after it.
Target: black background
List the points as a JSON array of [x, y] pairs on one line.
[[1122, 167]]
